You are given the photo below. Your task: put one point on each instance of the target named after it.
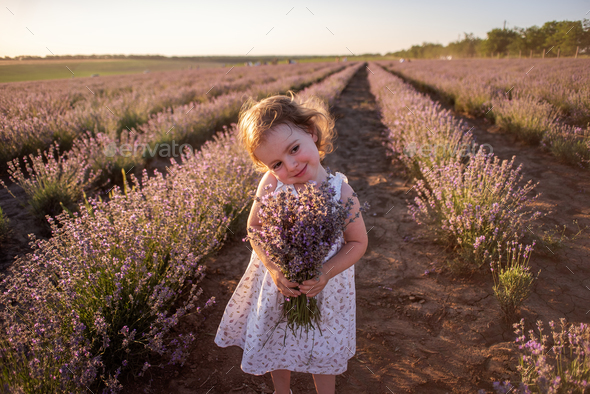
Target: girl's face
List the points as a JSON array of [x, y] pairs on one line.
[[291, 155]]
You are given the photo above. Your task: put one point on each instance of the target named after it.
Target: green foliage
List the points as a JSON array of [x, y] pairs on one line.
[[498, 41], [527, 118], [553, 36], [425, 51], [514, 288], [131, 118], [567, 35], [47, 69], [467, 47], [513, 280]]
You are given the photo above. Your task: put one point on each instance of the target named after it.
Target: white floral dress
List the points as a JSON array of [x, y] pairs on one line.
[[255, 308]]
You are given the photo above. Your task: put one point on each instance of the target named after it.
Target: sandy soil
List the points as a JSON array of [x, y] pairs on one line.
[[416, 332], [21, 224]]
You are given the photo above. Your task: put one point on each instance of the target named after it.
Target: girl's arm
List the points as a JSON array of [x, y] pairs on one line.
[[283, 284], [356, 241]]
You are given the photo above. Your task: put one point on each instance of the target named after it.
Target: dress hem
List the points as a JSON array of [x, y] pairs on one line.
[[289, 368]]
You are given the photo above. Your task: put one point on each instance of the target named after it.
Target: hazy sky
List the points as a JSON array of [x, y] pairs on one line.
[[228, 27]]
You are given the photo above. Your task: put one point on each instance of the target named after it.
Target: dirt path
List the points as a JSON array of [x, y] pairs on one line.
[[416, 332], [21, 222]]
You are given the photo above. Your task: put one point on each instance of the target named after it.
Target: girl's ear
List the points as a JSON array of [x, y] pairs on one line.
[[314, 134]]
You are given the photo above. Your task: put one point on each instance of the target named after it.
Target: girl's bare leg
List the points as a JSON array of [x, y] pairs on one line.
[[281, 378], [325, 384]]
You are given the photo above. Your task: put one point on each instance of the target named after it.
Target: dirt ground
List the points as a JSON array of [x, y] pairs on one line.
[[416, 332]]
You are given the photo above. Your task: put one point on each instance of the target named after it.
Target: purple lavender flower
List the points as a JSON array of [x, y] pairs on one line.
[[298, 232]]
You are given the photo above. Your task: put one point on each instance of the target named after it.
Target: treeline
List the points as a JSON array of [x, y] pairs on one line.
[[553, 39], [217, 59]]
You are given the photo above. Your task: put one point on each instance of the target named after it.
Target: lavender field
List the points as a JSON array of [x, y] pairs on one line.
[[542, 101], [130, 189], [115, 276]]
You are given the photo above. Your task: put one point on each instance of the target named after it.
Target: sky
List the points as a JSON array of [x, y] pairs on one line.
[[228, 27]]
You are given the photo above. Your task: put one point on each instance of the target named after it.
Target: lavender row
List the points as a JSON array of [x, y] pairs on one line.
[[420, 132], [481, 207], [472, 84], [34, 115], [181, 122], [107, 290], [475, 201], [542, 102], [53, 181]]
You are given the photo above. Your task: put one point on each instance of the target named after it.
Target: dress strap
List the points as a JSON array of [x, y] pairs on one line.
[[338, 179]]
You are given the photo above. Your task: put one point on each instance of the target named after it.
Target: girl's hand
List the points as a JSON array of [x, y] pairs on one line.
[[312, 287], [285, 287]]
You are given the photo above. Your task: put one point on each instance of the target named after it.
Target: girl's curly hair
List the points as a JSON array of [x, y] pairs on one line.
[[258, 117]]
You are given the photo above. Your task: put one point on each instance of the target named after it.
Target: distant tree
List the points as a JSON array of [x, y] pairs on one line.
[[566, 36], [498, 40], [467, 47], [425, 51], [532, 38]]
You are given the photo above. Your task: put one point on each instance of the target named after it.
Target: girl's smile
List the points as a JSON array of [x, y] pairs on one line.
[[291, 155], [302, 172]]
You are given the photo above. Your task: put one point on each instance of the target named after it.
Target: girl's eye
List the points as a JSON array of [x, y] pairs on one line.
[[295, 148], [277, 165]]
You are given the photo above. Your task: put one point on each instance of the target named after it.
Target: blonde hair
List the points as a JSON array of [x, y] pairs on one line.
[[256, 118]]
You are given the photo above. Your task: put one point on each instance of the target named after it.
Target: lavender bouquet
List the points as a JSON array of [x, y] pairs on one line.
[[297, 234]]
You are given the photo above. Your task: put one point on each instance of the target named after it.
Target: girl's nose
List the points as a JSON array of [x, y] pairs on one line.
[[292, 165]]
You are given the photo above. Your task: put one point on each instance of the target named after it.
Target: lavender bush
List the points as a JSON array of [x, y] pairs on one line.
[[298, 232], [472, 204], [561, 82], [474, 99], [52, 182], [184, 123], [512, 279], [560, 365], [526, 117], [571, 144], [108, 288], [475, 206]]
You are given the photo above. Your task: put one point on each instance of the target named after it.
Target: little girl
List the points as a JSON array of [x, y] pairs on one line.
[[286, 139]]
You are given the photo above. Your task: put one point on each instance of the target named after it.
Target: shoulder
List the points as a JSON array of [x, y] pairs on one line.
[[267, 179], [346, 191]]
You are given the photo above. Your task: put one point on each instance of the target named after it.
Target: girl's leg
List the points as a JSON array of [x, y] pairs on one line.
[[325, 384], [281, 378]]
